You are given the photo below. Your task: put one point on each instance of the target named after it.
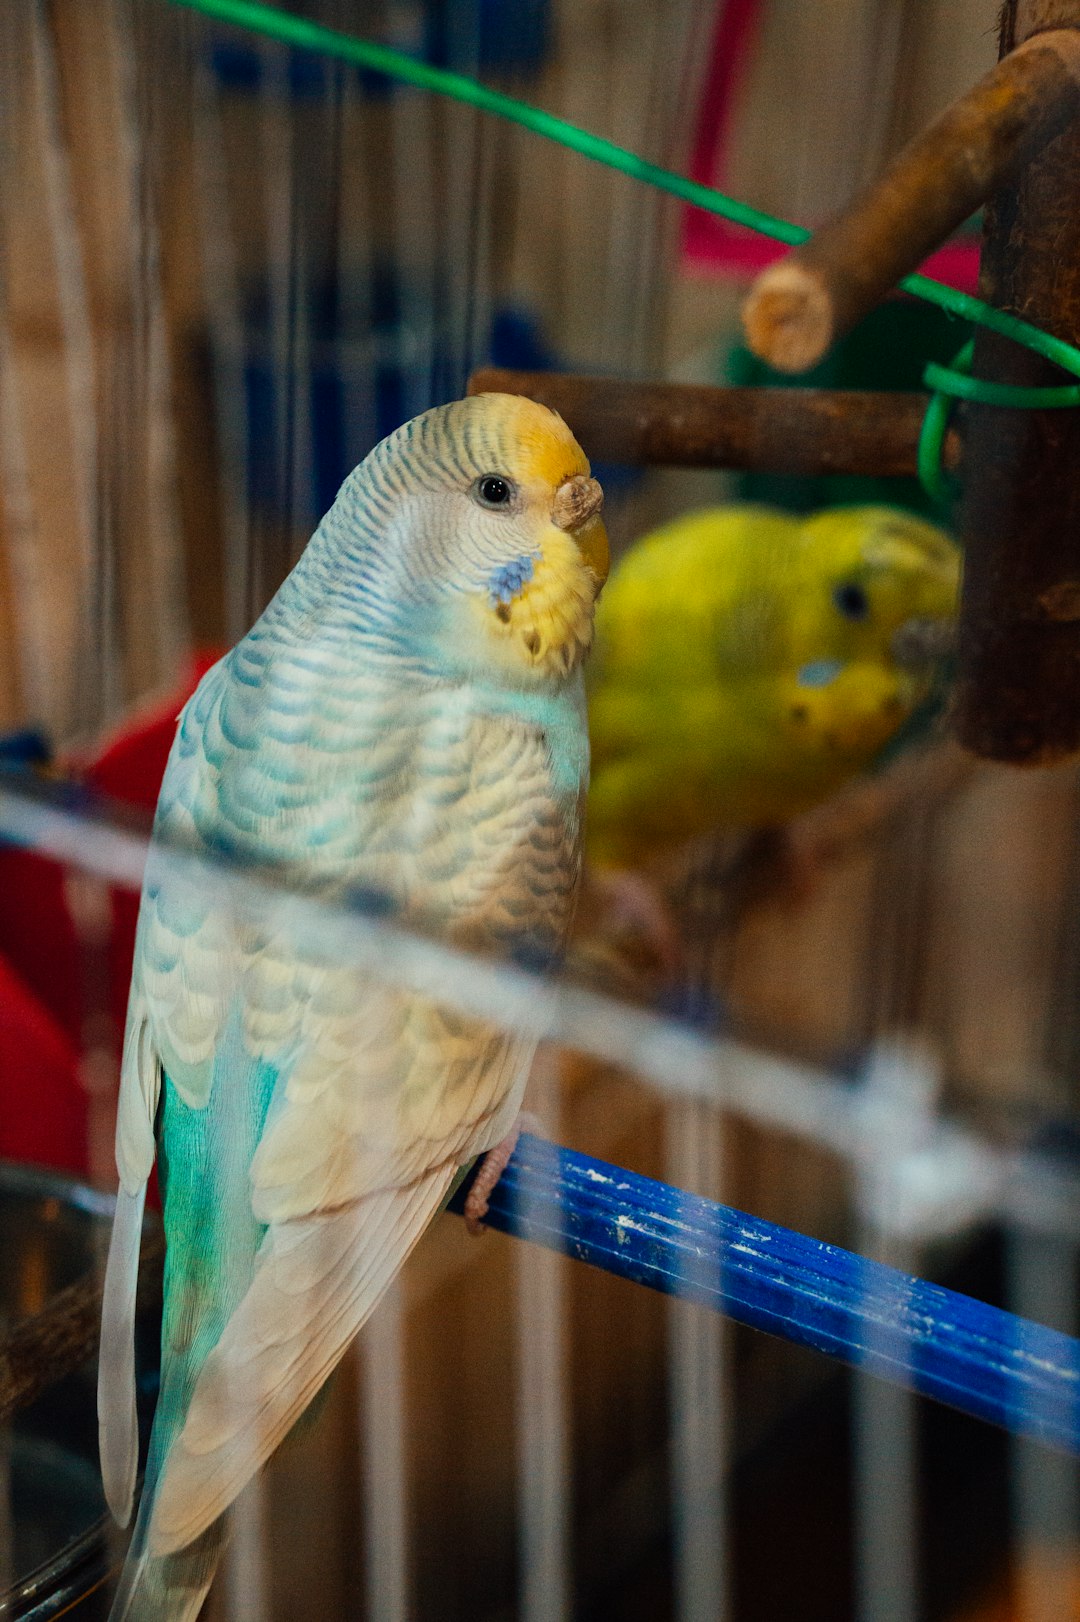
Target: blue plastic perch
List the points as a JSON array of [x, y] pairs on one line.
[[975, 1357]]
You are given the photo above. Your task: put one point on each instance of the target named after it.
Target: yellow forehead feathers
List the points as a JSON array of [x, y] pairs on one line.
[[535, 445], [541, 454]]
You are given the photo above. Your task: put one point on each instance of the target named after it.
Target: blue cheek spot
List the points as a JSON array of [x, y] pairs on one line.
[[819, 672], [507, 580]]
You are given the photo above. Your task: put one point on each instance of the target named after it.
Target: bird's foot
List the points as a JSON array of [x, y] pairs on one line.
[[491, 1169]]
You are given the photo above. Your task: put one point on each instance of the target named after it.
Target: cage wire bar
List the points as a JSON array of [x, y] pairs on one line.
[[382, 1355], [698, 1389], [94, 564], [990, 1363], [1046, 1501], [221, 294], [543, 1401], [884, 1439]]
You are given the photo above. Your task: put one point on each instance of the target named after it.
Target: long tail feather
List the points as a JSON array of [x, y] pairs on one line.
[[118, 1429]]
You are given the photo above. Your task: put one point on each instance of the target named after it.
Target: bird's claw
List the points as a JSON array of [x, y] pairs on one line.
[[491, 1169]]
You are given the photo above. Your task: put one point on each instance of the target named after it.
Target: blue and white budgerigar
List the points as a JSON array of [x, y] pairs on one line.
[[405, 722]]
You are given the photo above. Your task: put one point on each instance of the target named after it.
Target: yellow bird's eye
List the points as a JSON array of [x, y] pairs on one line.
[[852, 601]]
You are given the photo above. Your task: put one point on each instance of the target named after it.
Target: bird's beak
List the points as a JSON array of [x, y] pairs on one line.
[[919, 643], [576, 501], [576, 508]]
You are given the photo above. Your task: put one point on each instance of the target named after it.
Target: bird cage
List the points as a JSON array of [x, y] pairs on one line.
[[777, 1315]]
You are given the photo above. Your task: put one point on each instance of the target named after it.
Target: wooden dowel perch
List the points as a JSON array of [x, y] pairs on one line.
[[800, 306], [40, 1350], [1018, 646], [805, 431]]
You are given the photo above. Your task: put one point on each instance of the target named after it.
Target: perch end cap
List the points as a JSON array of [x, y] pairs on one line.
[[788, 317]]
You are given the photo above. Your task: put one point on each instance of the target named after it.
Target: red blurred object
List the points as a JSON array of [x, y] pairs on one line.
[[130, 762], [61, 987], [42, 1105]]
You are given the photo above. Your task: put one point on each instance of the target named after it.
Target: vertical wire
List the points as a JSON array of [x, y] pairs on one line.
[[665, 144], [21, 537], [384, 1460], [30, 657], [418, 221], [139, 135], [245, 1566], [7, 1519], [896, 995], [884, 1471], [1061, 1034], [699, 1372], [1041, 1282], [299, 464], [80, 697], [456, 154], [879, 32], [277, 162], [467, 342], [646, 210], [885, 1463], [221, 297], [698, 1376], [895, 125], [7, 1511], [476, 316], [902, 1082], [543, 1467], [894, 927], [638, 241], [483, 217], [356, 358], [624, 247], [576, 257], [330, 332]]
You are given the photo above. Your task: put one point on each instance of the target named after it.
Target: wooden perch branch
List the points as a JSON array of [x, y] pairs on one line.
[[1018, 641], [800, 306], [40, 1350], [806, 431]]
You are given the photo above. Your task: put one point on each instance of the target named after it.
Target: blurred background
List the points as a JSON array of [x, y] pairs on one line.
[[226, 271]]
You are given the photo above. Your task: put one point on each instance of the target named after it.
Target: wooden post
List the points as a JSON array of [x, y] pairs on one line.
[[807, 431], [1018, 687]]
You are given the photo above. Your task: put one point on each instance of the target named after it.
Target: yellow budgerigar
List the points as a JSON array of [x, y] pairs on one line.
[[749, 662]]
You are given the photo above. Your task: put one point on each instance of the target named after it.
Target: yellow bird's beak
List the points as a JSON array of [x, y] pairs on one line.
[[576, 509]]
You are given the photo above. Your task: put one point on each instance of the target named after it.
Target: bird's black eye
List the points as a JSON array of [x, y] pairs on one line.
[[852, 601], [492, 490]]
